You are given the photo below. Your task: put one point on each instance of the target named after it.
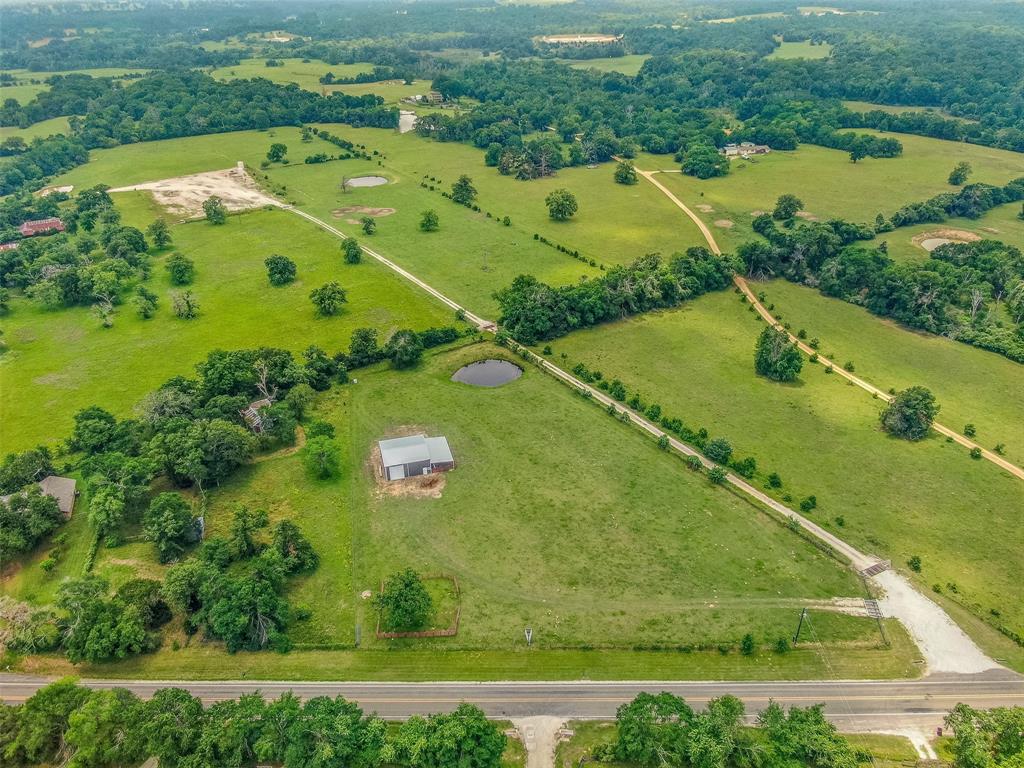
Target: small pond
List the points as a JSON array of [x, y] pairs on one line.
[[488, 373], [367, 181], [931, 243]]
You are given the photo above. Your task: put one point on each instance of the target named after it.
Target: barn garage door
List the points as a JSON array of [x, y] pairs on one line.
[[396, 472]]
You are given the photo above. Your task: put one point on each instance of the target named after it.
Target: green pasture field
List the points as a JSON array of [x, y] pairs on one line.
[[829, 184], [801, 50], [630, 551], [58, 362], [154, 160], [972, 385], [305, 74], [821, 435], [41, 129], [29, 84], [627, 65], [1002, 223], [472, 256], [893, 109]]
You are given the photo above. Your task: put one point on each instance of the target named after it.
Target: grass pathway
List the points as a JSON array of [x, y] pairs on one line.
[[741, 283]]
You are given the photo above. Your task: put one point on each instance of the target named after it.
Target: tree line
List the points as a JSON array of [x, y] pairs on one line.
[[971, 292], [533, 311], [68, 724]]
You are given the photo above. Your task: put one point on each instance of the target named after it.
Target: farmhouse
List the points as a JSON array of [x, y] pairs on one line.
[[41, 226], [12, 246], [745, 149], [416, 455], [60, 488]]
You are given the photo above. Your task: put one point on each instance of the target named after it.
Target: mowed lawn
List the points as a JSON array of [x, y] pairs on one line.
[[971, 385], [304, 73], [829, 184], [58, 362], [561, 519], [894, 498]]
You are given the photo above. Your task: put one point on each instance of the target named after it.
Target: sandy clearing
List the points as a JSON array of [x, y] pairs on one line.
[[723, 223], [704, 208], [45, 191], [933, 238], [807, 216], [539, 735], [184, 195], [945, 647]]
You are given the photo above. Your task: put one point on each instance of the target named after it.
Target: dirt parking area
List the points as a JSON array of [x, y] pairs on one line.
[[933, 238], [183, 196]]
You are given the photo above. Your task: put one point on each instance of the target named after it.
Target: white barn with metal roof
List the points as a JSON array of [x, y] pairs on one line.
[[403, 457]]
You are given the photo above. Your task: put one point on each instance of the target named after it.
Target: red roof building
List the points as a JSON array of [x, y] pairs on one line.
[[41, 226], [8, 246]]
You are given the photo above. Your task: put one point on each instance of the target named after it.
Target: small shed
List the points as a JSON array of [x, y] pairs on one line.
[[403, 457]]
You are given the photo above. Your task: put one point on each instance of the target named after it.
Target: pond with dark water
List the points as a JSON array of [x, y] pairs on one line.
[[488, 373]]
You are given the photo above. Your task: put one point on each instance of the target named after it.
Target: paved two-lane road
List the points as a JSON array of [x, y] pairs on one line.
[[854, 705]]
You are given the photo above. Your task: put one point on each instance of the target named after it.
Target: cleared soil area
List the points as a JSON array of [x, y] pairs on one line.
[[340, 213], [933, 238], [183, 196]]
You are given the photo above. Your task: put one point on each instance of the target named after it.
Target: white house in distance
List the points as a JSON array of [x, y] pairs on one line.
[[403, 457]]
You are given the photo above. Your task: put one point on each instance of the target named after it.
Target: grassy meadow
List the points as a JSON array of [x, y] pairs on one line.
[[29, 84], [972, 386], [61, 361], [305, 73], [829, 184], [821, 435], [39, 130], [1003, 223], [642, 560], [627, 65], [803, 49]]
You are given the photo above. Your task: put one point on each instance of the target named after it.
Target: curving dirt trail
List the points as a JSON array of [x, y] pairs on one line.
[[741, 283]]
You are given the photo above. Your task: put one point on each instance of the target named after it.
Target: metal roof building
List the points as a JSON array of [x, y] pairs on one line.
[[403, 457]]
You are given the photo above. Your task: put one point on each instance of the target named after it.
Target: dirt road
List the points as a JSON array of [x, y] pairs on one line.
[[741, 283]]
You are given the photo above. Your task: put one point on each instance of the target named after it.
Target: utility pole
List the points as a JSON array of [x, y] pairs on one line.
[[799, 626]]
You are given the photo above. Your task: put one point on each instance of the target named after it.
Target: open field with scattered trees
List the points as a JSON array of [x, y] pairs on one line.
[[903, 499], [61, 361], [829, 185], [972, 386], [305, 73]]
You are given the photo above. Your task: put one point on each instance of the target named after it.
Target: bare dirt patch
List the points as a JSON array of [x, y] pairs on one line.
[[184, 195], [991, 230], [704, 208], [723, 223], [807, 215], [51, 190], [755, 214], [375, 212], [933, 238]]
